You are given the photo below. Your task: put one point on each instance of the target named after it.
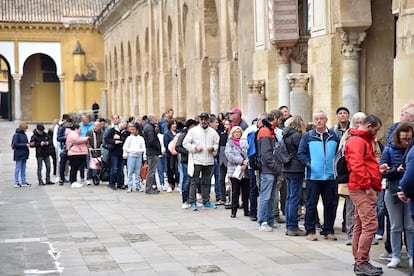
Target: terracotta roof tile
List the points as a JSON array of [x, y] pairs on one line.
[[49, 11]]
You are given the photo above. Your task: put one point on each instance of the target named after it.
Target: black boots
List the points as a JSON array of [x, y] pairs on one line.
[[233, 212]]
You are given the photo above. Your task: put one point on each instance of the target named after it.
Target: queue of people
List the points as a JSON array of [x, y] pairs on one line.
[[193, 152]]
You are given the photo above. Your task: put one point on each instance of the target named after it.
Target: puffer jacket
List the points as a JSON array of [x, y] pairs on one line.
[[76, 144], [393, 161], [235, 156], [35, 142], [292, 140], [266, 140], [363, 168], [20, 142], [179, 147], [318, 154], [198, 136]]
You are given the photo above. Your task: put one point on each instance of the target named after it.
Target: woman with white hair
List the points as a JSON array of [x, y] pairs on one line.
[[237, 157]]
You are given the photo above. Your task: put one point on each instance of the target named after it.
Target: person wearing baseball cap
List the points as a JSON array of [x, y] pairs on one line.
[[342, 113], [202, 143], [235, 118]]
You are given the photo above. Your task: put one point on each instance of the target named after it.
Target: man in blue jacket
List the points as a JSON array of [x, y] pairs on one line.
[[317, 151]]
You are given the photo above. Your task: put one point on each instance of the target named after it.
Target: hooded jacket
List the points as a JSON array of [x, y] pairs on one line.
[[363, 168]]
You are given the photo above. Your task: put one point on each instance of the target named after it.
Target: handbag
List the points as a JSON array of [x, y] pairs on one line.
[[143, 172], [238, 172]]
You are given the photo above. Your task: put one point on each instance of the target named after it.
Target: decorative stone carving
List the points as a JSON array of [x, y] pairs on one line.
[[350, 44], [298, 81], [256, 86], [284, 55]]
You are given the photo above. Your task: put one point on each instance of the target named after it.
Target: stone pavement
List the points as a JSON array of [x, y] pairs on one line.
[[52, 230]]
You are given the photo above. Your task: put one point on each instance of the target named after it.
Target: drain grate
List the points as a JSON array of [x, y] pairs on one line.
[[204, 269], [133, 238]]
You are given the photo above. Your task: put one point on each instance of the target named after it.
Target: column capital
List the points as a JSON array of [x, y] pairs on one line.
[[212, 63], [61, 78], [350, 44], [298, 81], [284, 55], [17, 76], [256, 86]]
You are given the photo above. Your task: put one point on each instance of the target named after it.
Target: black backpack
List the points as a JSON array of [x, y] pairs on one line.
[[340, 166]]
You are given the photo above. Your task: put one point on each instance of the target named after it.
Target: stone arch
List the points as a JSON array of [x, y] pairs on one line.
[[40, 88], [211, 28], [185, 15], [5, 89], [138, 60], [146, 50]]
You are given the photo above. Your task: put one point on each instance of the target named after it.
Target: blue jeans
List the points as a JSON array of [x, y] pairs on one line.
[[215, 174], [254, 193], [185, 185], [294, 191], [134, 164], [161, 169], [267, 198], [400, 219], [328, 189], [20, 169], [116, 172]]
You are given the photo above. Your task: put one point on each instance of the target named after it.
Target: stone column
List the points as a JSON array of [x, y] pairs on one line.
[[299, 97], [255, 98], [104, 103], [284, 68], [62, 95], [350, 69], [214, 87], [17, 97]]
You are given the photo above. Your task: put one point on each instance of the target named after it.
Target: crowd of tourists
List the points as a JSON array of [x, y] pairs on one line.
[[242, 163]]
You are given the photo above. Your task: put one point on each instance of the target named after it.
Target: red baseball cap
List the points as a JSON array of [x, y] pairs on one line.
[[235, 110]]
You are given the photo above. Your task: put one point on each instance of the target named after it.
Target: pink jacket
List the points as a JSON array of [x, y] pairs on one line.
[[76, 144]]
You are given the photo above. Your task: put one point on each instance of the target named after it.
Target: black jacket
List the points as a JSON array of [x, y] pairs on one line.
[[35, 142], [180, 149], [152, 143], [292, 140]]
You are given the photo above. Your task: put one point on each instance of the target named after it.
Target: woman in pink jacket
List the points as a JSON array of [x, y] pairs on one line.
[[77, 151]]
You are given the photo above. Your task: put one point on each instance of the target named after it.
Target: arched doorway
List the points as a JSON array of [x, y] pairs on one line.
[[5, 89], [40, 89]]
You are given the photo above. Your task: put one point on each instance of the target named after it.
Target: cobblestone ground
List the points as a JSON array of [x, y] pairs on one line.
[[52, 230]]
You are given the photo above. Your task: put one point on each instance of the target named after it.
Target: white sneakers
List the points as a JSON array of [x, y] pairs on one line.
[[394, 262], [186, 205], [76, 185], [264, 227], [169, 189]]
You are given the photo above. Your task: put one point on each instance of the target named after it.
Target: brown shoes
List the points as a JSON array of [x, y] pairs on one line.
[[311, 237], [331, 237], [297, 232]]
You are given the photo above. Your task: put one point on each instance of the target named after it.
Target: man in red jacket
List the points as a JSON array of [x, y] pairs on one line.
[[364, 183]]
